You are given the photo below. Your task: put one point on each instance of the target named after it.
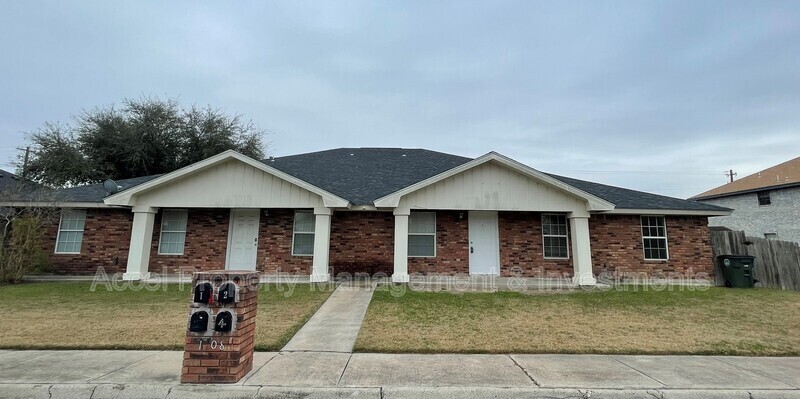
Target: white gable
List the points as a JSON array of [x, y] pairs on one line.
[[492, 186], [230, 184]]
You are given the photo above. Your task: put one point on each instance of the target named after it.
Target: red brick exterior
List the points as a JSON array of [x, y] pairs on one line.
[[222, 357], [106, 236], [522, 247], [205, 246], [275, 245], [452, 247], [617, 246], [364, 242]]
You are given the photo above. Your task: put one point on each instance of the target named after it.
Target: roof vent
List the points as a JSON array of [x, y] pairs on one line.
[[403, 155], [271, 158], [351, 154]]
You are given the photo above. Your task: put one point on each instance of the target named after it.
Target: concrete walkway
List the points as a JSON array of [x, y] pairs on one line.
[[334, 327], [156, 374]]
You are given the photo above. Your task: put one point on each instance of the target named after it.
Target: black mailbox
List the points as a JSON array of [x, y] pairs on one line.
[[202, 293], [199, 321], [223, 322], [227, 293]]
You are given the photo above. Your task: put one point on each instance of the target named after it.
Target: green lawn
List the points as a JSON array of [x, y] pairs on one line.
[[70, 316], [715, 321]]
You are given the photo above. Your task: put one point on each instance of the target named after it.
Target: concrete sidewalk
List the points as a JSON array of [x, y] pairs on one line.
[[156, 374], [334, 327]]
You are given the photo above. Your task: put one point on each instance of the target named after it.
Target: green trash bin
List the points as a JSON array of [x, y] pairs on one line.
[[737, 270]]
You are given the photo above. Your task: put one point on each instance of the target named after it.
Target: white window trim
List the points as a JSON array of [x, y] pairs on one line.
[[566, 224], [665, 238], [58, 234], [295, 233], [161, 231], [434, 234]]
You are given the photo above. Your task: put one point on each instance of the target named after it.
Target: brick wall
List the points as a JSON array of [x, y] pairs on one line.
[[275, 245], [617, 245], [522, 247], [206, 243], [362, 242], [106, 236], [452, 247]]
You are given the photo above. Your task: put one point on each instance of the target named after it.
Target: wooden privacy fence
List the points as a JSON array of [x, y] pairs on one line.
[[777, 263]]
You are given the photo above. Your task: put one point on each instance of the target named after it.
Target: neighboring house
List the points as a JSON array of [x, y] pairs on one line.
[[766, 204], [8, 182], [377, 210]]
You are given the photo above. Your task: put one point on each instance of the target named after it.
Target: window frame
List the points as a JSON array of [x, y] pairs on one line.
[[434, 234], [766, 194], [665, 238], [565, 236], [162, 231], [295, 232], [60, 230]]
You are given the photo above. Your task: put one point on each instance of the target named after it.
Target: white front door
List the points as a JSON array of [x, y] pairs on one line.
[[243, 239], [484, 245]]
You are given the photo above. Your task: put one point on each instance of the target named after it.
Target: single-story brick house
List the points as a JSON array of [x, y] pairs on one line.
[[391, 210]]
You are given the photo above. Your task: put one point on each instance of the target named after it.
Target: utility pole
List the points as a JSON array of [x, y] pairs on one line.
[[25, 160], [730, 174]]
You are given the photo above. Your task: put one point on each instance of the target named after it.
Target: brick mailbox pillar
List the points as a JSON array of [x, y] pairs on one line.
[[220, 328]]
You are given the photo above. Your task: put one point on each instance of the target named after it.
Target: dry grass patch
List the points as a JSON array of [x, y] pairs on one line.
[[715, 321], [71, 316]]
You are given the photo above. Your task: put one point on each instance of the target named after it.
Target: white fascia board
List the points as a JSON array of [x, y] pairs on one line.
[[671, 212], [594, 203], [126, 197], [56, 204]]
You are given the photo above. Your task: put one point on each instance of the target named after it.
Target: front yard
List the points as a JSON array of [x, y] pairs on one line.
[[716, 321], [70, 316]]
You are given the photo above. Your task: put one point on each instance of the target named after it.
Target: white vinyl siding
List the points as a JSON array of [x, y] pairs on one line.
[[70, 231], [173, 232], [554, 236], [303, 234], [654, 238], [422, 234]]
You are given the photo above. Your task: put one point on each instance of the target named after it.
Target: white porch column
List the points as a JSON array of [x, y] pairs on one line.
[[141, 240], [581, 250], [322, 244], [400, 274]]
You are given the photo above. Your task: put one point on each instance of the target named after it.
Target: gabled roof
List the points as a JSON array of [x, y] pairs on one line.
[[595, 203], [363, 175], [786, 174], [124, 198]]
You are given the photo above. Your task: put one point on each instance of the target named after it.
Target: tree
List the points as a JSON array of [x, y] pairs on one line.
[[22, 230], [144, 137]]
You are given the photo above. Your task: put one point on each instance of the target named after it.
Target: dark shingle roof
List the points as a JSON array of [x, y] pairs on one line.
[[362, 175], [7, 180], [625, 198], [96, 192]]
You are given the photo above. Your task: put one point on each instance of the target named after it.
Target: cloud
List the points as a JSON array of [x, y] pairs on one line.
[[682, 90]]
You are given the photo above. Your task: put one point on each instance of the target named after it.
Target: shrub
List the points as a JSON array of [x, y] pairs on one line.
[[21, 250]]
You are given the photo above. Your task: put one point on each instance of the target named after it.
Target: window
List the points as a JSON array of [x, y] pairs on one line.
[[654, 238], [771, 236], [70, 231], [303, 235], [763, 198], [554, 235], [173, 232], [422, 234]]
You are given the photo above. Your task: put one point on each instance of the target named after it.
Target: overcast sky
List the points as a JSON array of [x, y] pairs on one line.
[[657, 96]]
